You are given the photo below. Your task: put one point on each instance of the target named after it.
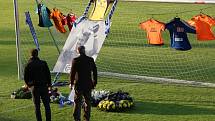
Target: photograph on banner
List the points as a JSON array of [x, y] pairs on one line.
[[90, 34]]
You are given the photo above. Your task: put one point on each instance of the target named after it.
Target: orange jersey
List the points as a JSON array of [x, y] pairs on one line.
[[57, 17], [153, 29], [203, 24]]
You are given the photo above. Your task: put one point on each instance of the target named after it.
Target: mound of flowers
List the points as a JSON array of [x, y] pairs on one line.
[[21, 93], [58, 98], [112, 101], [97, 96]]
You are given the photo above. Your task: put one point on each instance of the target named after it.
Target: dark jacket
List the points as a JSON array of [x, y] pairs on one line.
[[37, 73], [81, 73]]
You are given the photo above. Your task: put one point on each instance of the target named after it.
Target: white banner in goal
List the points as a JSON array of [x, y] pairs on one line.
[[178, 1], [91, 34]]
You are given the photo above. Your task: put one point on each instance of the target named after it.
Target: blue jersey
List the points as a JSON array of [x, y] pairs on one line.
[[178, 30]]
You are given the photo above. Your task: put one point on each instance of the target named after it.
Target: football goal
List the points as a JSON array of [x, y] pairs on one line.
[[126, 52]]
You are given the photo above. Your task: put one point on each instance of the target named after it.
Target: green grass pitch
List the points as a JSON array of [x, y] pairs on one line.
[[153, 102]]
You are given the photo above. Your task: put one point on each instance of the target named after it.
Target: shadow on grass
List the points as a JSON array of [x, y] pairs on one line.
[[168, 109]]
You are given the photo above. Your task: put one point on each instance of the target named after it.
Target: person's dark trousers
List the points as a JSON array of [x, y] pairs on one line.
[[78, 105], [41, 93]]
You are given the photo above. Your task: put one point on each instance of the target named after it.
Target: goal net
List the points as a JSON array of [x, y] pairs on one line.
[[126, 52]]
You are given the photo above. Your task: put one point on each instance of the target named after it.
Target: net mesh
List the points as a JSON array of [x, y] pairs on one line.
[[125, 50]]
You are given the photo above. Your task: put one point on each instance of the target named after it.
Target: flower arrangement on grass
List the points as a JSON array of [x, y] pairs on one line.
[[58, 98], [21, 93], [97, 96], [112, 101]]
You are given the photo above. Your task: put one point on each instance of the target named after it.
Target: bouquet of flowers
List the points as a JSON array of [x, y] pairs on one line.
[[21, 93], [97, 96], [116, 101], [58, 98]]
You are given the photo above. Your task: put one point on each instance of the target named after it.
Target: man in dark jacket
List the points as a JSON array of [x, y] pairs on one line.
[[81, 77], [37, 77]]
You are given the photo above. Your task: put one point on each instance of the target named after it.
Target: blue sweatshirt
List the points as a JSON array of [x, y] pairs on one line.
[[178, 30]]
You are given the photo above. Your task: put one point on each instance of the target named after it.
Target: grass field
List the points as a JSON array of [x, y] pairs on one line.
[[153, 102]]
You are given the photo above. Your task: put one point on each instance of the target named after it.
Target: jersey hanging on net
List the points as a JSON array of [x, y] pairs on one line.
[[44, 13], [70, 20], [64, 20], [178, 30], [203, 24], [99, 10], [153, 29], [57, 17]]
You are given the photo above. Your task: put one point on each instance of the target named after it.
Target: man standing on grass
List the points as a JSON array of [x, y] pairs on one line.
[[37, 77], [81, 77]]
